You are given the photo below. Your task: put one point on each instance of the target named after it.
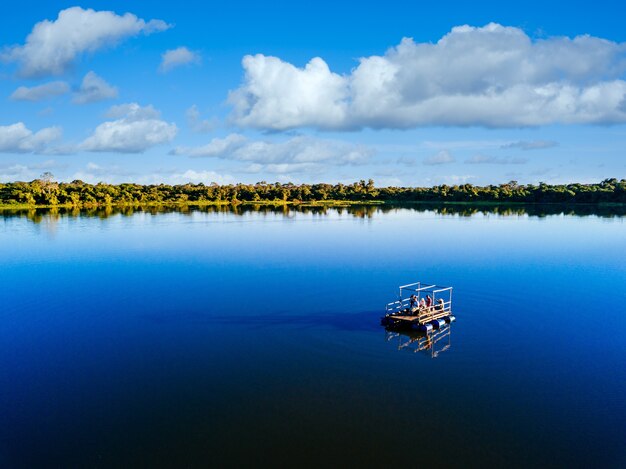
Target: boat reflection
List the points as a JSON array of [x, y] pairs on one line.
[[432, 343]]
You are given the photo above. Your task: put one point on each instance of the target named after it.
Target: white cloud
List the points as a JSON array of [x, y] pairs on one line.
[[196, 123], [486, 159], [217, 147], [443, 157], [389, 181], [94, 173], [284, 168], [462, 144], [196, 177], [94, 88], [531, 145], [173, 58], [406, 161], [53, 46], [133, 130], [133, 110], [300, 150], [493, 76], [452, 179], [25, 172], [278, 95], [17, 138], [38, 93]]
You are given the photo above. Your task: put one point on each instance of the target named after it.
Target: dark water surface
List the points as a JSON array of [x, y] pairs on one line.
[[215, 339]]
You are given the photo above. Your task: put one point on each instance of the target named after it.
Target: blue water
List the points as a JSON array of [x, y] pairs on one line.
[[219, 339]]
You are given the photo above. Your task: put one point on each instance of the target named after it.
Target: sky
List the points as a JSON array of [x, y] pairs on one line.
[[399, 92]]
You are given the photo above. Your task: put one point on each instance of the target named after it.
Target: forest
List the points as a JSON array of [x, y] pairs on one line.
[[46, 192]]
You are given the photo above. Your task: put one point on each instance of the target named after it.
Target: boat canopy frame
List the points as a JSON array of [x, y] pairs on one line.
[[420, 290]]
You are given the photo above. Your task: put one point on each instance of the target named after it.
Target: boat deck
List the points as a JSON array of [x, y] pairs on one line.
[[420, 319]]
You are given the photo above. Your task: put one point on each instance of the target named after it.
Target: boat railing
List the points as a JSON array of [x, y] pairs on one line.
[[422, 312], [434, 312], [397, 306]]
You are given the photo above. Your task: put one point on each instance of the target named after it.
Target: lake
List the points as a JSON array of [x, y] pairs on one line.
[[247, 337]]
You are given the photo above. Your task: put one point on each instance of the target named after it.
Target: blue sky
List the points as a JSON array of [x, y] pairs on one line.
[[403, 93]]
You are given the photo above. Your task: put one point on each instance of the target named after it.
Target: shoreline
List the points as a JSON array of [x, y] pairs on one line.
[[313, 203]]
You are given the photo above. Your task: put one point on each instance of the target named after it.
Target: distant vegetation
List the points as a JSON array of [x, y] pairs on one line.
[[45, 192]]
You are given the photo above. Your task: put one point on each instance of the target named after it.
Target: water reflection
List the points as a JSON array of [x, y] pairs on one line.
[[37, 215], [431, 343]]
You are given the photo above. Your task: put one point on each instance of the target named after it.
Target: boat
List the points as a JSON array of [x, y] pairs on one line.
[[408, 312]]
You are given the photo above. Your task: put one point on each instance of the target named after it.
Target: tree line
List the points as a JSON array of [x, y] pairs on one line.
[[47, 192]]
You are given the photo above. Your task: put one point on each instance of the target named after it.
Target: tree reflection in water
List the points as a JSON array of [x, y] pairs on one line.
[[37, 215]]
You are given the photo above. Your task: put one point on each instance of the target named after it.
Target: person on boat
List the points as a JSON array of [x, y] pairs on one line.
[[422, 304], [413, 301], [429, 301], [439, 304]]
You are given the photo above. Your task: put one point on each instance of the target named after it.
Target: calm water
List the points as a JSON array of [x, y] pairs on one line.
[[252, 338]]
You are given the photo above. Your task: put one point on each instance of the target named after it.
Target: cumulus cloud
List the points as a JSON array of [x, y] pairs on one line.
[[407, 161], [531, 145], [53, 46], [41, 92], [304, 151], [134, 129], [17, 138], [278, 95], [196, 123], [196, 177], [492, 76], [173, 58], [94, 173], [453, 179], [217, 147], [443, 157], [94, 88], [284, 168], [485, 159], [25, 172]]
